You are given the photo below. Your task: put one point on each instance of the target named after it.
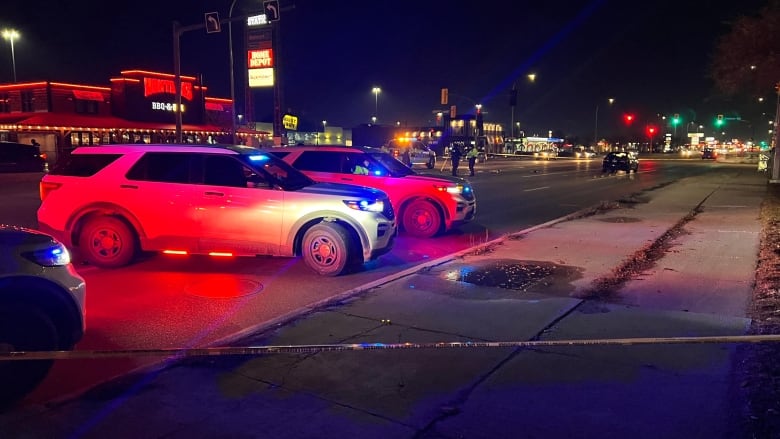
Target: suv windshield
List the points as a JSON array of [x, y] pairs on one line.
[[278, 171], [394, 167]]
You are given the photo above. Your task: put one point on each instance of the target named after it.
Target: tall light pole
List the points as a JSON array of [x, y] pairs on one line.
[[232, 75], [324, 124], [376, 91], [11, 35], [596, 127]]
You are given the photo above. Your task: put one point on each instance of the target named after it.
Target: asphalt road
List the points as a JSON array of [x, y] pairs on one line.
[[164, 302]]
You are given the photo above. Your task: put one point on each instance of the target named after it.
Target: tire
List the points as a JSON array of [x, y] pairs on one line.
[[107, 242], [24, 329], [421, 219], [326, 249], [431, 163]]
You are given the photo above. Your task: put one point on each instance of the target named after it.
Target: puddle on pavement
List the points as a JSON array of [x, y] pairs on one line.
[[517, 276], [218, 286]]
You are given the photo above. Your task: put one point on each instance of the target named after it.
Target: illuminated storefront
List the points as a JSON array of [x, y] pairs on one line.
[[139, 106]]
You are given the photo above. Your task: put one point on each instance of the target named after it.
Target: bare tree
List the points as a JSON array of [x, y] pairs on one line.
[[747, 60]]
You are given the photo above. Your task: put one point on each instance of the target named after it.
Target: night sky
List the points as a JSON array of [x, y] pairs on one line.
[[650, 56]]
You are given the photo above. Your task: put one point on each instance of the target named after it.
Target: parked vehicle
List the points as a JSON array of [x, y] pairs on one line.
[[709, 153], [41, 306], [109, 202], [620, 161], [20, 157], [426, 205], [419, 154]]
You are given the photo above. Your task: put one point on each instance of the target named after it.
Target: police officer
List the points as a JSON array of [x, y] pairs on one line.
[[455, 154], [472, 158]]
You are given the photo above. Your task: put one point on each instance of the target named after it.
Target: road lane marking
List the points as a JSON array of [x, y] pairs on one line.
[[536, 189]]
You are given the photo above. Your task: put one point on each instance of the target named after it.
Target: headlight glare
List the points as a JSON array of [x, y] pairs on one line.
[[366, 205]]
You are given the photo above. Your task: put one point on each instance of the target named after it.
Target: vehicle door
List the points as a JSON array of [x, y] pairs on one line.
[[157, 192], [240, 212]]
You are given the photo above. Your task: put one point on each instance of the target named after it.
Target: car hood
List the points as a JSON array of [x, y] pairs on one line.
[[344, 190], [16, 236], [433, 180]]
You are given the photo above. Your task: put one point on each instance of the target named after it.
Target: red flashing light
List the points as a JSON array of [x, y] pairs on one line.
[[629, 118]]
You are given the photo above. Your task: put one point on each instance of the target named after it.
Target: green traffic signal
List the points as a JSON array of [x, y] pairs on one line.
[[719, 121], [676, 119]]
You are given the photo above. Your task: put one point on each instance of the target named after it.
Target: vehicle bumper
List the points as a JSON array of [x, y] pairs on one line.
[[465, 211]]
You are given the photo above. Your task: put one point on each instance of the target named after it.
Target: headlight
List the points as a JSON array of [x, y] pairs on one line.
[[56, 255], [457, 189], [366, 205]]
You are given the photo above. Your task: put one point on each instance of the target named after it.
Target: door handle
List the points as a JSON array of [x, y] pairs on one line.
[[216, 194], [128, 186]]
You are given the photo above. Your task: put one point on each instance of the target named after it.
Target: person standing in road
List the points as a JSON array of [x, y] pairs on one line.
[[406, 157], [455, 157], [472, 158]]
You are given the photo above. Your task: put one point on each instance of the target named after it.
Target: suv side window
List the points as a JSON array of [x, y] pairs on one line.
[[83, 165], [223, 170], [319, 161], [163, 167]]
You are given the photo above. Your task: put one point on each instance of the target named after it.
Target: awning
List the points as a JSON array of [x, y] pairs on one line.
[[70, 121]]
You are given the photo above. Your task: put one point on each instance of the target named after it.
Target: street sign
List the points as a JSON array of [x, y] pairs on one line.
[[444, 96], [271, 8], [212, 22], [453, 111]]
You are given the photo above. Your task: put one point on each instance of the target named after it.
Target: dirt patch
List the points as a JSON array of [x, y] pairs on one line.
[[758, 365]]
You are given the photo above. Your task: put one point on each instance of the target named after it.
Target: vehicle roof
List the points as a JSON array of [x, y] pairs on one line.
[[324, 148], [165, 147]]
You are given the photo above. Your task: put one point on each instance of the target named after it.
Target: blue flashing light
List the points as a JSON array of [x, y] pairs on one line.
[[258, 158]]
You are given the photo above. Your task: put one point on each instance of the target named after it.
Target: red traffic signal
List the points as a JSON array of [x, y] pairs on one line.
[[628, 118], [651, 131]]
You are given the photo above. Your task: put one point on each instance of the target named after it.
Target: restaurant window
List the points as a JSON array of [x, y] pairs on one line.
[[27, 101], [5, 107], [84, 106]]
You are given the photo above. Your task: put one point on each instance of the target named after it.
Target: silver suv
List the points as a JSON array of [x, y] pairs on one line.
[[109, 202], [41, 306]]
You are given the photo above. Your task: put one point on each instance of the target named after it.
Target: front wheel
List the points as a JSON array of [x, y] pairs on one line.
[[326, 248], [23, 329], [107, 242], [431, 163], [421, 219]]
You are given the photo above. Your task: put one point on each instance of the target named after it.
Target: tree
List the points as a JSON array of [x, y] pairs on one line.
[[747, 59]]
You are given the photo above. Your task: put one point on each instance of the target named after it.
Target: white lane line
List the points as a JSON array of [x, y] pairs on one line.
[[536, 189]]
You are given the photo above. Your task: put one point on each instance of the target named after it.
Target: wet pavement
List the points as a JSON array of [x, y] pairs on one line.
[[616, 274]]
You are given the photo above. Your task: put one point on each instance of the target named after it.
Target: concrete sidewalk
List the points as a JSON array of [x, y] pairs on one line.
[[700, 287]]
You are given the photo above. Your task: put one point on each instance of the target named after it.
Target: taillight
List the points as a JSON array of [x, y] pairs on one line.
[[44, 156], [46, 187]]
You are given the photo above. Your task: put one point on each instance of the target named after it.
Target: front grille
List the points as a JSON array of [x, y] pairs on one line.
[[388, 211]]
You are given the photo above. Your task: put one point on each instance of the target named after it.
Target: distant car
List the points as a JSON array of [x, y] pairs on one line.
[[113, 201], [585, 154], [20, 157], [419, 154], [709, 153], [620, 161], [41, 306], [546, 154], [426, 205]]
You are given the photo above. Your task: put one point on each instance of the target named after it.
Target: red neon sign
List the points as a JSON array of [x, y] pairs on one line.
[[260, 58], [153, 86]]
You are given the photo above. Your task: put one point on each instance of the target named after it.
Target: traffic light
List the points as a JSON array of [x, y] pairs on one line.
[[651, 131], [628, 118], [719, 121], [676, 119]]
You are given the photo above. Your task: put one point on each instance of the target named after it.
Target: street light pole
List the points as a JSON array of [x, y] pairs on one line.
[[376, 91], [11, 35], [232, 75]]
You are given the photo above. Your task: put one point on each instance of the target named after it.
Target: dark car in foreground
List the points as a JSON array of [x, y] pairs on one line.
[[620, 161], [19, 157], [41, 306], [709, 153]]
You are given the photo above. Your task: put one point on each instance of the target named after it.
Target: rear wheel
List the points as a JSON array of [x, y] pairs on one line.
[[421, 219], [23, 329], [108, 242], [326, 248]]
